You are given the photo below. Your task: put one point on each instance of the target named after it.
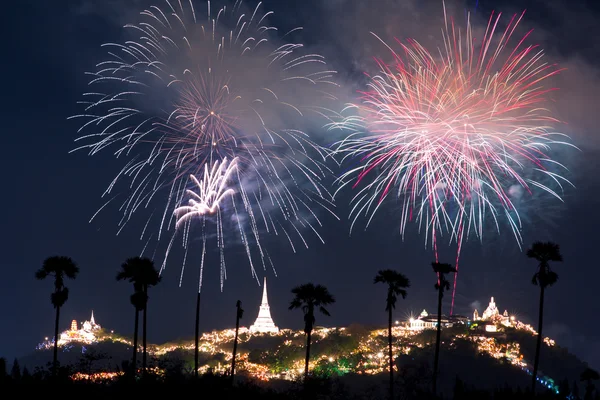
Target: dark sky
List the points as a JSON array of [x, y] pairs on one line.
[[49, 195]]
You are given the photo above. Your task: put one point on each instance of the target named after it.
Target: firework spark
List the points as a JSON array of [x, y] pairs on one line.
[[454, 137], [212, 189], [190, 90]]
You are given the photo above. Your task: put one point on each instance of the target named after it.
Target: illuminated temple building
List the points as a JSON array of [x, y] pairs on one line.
[[490, 318], [429, 321], [492, 314], [86, 334], [264, 323]]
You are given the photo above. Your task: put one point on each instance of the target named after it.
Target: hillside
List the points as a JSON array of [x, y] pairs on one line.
[[484, 360]]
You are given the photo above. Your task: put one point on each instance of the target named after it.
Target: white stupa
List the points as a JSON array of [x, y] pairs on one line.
[[264, 323], [491, 311]]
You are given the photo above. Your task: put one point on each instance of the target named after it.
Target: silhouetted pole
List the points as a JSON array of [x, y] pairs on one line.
[[308, 322], [538, 344], [197, 334], [144, 324], [135, 343], [239, 314], [438, 333], [55, 354], [391, 354]]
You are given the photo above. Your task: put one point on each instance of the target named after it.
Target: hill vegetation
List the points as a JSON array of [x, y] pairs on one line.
[[483, 360]]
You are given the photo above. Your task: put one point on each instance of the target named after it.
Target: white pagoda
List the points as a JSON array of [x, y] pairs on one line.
[[491, 313], [264, 323]]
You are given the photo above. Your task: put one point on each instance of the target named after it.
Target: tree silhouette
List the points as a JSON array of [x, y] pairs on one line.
[[543, 252], [564, 390], [575, 391], [396, 285], [588, 376], [309, 297], [140, 272], [15, 372], [239, 314], [26, 375], [89, 360], [58, 267], [2, 370], [442, 284]]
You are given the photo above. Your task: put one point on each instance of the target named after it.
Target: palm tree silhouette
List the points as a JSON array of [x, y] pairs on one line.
[[140, 272], [239, 314], [397, 285], [58, 267], [308, 297], [442, 284], [543, 252]]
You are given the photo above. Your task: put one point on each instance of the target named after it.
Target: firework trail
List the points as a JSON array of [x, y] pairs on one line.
[[455, 137], [191, 89]]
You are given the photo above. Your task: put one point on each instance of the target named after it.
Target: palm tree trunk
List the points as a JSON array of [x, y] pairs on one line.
[[538, 345], [437, 338], [197, 334], [235, 342], [144, 324], [135, 344], [55, 356], [307, 355], [390, 353]]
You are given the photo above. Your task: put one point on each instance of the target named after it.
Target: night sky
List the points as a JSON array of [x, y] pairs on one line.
[[49, 195]]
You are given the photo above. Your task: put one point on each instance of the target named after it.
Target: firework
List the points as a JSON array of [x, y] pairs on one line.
[[212, 190], [192, 89], [457, 137]]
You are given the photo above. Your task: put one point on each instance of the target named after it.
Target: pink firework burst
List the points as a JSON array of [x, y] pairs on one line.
[[452, 135]]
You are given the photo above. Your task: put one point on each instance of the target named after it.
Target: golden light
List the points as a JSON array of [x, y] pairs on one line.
[[371, 347]]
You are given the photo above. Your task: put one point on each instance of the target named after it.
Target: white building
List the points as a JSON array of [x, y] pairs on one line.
[[492, 314], [422, 322], [429, 321], [87, 333], [264, 323]]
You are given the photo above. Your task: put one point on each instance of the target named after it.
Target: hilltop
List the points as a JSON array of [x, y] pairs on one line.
[[482, 359]]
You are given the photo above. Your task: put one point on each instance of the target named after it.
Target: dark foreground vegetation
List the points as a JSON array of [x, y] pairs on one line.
[[176, 382]]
